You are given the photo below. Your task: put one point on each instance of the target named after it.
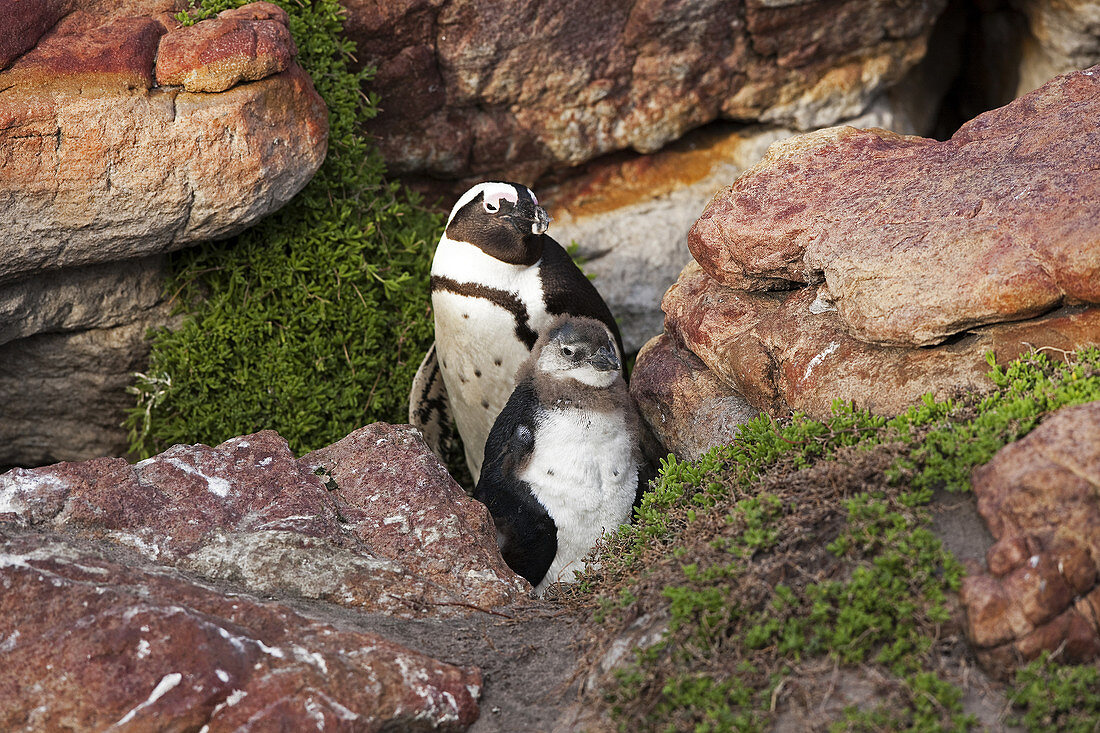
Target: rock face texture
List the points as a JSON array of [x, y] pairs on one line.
[[111, 154], [92, 643], [1040, 591], [242, 44], [373, 522], [99, 164], [504, 90], [687, 405], [917, 239], [131, 590], [828, 269]]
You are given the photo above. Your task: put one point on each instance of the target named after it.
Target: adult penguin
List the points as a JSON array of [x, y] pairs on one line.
[[498, 281]]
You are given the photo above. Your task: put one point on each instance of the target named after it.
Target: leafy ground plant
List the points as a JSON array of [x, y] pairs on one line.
[[794, 576], [314, 321]]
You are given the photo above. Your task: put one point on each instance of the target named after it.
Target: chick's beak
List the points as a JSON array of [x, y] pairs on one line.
[[605, 360]]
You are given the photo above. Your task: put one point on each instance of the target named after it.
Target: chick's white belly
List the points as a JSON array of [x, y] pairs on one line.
[[478, 354], [584, 470]]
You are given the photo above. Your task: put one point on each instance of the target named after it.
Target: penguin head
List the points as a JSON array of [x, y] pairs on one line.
[[502, 219], [582, 349]]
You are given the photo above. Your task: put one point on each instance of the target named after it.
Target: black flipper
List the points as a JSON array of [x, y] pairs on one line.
[[527, 536]]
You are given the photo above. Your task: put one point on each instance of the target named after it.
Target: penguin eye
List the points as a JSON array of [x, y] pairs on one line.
[[567, 351], [491, 207]]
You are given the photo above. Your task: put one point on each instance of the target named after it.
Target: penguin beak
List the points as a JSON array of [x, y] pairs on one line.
[[528, 215], [604, 360], [541, 222]]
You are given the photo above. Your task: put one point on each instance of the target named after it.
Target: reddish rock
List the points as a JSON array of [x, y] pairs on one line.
[[786, 351], [25, 21], [86, 51], [1038, 497], [243, 44], [403, 505], [96, 166], [917, 239], [399, 536], [688, 408], [1045, 484], [90, 642], [484, 88]]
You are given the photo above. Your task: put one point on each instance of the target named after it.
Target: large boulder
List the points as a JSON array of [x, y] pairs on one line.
[[1039, 590], [100, 164], [481, 88], [94, 640], [916, 239], [373, 522], [873, 268], [142, 582], [784, 350], [103, 169]]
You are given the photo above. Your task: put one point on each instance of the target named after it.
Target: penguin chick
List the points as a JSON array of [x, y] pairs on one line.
[[562, 460], [498, 280]]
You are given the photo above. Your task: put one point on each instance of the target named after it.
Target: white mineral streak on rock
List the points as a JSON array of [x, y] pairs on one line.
[[399, 518], [20, 483], [821, 304], [216, 486], [143, 649], [820, 358], [222, 675], [8, 642], [150, 549], [304, 655], [166, 683]]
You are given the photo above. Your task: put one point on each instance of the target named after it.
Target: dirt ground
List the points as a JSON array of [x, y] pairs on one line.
[[528, 661]]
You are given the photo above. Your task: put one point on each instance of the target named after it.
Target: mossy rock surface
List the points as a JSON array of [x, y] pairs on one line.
[[799, 578]]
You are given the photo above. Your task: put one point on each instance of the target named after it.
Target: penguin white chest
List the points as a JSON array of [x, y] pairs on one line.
[[584, 470], [483, 308]]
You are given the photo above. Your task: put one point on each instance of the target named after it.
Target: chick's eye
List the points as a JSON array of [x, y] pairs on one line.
[[567, 351]]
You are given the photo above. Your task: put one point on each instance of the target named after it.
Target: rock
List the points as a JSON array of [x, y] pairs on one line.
[[79, 298], [473, 89], [101, 172], [242, 44], [687, 407], [135, 180], [915, 239], [372, 522], [630, 215], [26, 22], [406, 508], [1038, 497], [1063, 35], [91, 641], [63, 395], [785, 350]]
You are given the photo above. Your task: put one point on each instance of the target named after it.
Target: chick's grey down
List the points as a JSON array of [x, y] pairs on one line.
[[563, 459]]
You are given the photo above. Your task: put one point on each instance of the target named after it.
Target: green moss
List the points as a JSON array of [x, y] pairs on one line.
[[314, 321], [717, 548], [1052, 696]]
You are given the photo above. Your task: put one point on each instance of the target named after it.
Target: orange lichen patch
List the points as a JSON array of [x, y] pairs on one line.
[[622, 179]]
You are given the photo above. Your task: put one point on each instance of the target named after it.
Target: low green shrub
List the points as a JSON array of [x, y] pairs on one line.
[[768, 556]]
